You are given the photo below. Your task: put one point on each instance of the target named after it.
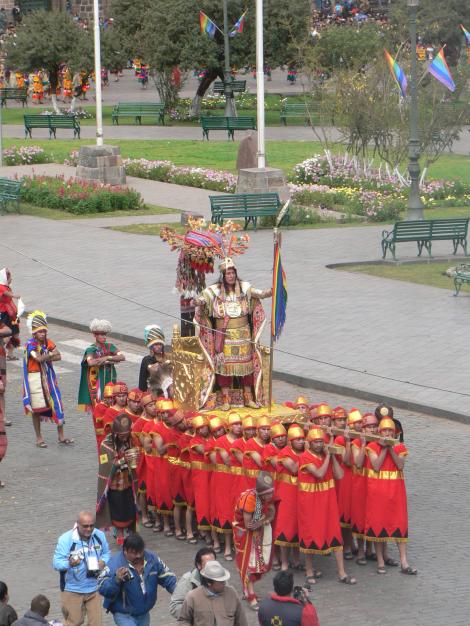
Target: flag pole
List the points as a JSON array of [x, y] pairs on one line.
[[273, 321]]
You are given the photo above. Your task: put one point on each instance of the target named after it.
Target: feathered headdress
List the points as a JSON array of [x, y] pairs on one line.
[[37, 320], [100, 326]]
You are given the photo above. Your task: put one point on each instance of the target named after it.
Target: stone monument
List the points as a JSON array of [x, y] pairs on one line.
[[101, 163]]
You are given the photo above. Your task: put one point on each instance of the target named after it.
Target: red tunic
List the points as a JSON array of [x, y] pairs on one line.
[[137, 436], [286, 527], [97, 414], [221, 487], [150, 465], [108, 418], [7, 304], [175, 476], [185, 469], [200, 473], [317, 508], [386, 516], [270, 453], [250, 468], [343, 487], [238, 477], [162, 484], [358, 494], [134, 416]]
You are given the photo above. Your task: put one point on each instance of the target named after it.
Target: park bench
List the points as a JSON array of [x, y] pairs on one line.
[[249, 206], [10, 93], [9, 192], [138, 110], [237, 86], [461, 277], [308, 112], [424, 232], [230, 124], [52, 123]]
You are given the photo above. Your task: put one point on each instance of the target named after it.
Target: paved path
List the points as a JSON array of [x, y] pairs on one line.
[[337, 322], [46, 488]]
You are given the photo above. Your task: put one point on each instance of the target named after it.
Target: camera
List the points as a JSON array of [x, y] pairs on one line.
[[127, 576], [300, 594]]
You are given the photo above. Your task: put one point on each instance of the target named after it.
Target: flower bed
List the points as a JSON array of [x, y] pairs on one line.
[[25, 155], [78, 197]]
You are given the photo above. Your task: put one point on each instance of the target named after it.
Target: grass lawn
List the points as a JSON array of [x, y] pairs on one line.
[[148, 229], [54, 214], [430, 274]]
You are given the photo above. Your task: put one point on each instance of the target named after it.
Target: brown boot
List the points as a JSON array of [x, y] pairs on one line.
[[248, 400]]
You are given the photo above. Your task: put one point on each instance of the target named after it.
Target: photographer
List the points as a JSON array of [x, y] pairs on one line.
[[130, 584], [288, 606], [80, 555]]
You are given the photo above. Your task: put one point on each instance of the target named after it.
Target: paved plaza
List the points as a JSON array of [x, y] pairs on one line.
[[46, 487]]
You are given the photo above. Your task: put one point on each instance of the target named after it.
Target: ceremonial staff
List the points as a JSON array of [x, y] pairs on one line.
[[279, 297]]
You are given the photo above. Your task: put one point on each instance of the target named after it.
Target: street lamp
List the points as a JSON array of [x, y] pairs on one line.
[[415, 206], [97, 47], [229, 102]]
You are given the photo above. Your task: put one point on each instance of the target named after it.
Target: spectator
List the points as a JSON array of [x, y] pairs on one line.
[[130, 584], [214, 602], [80, 555], [7, 613], [189, 581], [282, 608], [36, 616]]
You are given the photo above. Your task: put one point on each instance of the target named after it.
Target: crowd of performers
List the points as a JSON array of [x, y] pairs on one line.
[[330, 480]]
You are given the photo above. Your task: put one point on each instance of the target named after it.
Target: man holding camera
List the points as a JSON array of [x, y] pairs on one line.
[[288, 606], [80, 556], [129, 586]]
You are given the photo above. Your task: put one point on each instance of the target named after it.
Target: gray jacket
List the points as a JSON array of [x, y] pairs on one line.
[[30, 618], [187, 582]]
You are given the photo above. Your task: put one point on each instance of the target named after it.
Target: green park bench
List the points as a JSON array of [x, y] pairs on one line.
[[238, 86], [249, 206], [308, 112], [10, 93], [138, 110], [461, 277], [230, 124], [424, 232], [9, 192], [52, 123]]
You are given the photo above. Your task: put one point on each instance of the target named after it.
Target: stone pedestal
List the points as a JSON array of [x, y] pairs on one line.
[[262, 180], [101, 163]]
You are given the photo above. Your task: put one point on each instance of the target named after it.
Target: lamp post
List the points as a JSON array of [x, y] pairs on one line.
[[99, 107], [229, 102], [260, 84], [415, 206]]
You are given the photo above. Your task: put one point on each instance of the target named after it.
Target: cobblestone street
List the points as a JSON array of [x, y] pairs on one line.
[[47, 487]]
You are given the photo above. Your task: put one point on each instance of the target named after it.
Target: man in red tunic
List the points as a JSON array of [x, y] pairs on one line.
[[343, 486], [138, 427], [386, 517], [286, 528], [162, 437], [99, 410], [119, 405], [178, 426], [201, 473], [134, 408], [185, 440], [317, 507], [238, 450], [278, 436], [253, 455]]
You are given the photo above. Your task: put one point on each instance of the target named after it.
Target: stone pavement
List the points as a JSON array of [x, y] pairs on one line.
[[47, 487], [350, 330]]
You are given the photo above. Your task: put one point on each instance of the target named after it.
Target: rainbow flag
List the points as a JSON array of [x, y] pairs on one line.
[[397, 73], [279, 295], [206, 24], [238, 26], [440, 70], [466, 33]]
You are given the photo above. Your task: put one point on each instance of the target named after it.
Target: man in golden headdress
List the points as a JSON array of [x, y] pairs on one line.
[[231, 319]]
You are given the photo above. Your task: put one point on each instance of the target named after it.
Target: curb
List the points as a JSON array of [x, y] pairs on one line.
[[309, 383]]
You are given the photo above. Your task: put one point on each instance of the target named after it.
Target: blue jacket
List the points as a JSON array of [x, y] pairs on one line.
[[128, 597], [76, 579]]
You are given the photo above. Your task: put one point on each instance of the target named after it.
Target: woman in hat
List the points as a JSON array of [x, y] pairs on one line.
[[98, 365], [41, 393], [386, 514], [253, 535], [117, 481]]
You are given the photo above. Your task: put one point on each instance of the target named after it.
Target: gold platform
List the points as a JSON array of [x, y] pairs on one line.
[[279, 413]]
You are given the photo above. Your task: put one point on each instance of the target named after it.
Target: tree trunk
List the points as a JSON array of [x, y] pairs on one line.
[[204, 85], [54, 81], [54, 104], [73, 102]]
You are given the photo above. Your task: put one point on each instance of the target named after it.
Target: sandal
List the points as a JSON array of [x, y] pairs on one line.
[[217, 550], [192, 540], [348, 556], [391, 562], [158, 528], [299, 567], [252, 602], [147, 524], [361, 561], [276, 567], [310, 580], [317, 573], [41, 444], [371, 557], [347, 580], [180, 537], [169, 533], [411, 571], [381, 570], [66, 441], [228, 557]]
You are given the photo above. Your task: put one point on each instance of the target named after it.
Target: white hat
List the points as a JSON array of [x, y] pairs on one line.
[[213, 570]]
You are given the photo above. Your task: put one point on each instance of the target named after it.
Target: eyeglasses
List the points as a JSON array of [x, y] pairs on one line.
[[86, 525]]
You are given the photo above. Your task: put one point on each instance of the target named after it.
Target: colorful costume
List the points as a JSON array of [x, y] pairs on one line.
[[286, 528], [8, 310], [41, 392], [317, 508], [38, 88], [94, 377], [358, 493], [200, 474], [251, 469], [221, 484], [343, 487], [386, 512]]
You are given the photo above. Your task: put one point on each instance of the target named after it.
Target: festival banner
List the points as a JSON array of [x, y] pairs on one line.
[[207, 25], [397, 73], [238, 26], [440, 70]]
